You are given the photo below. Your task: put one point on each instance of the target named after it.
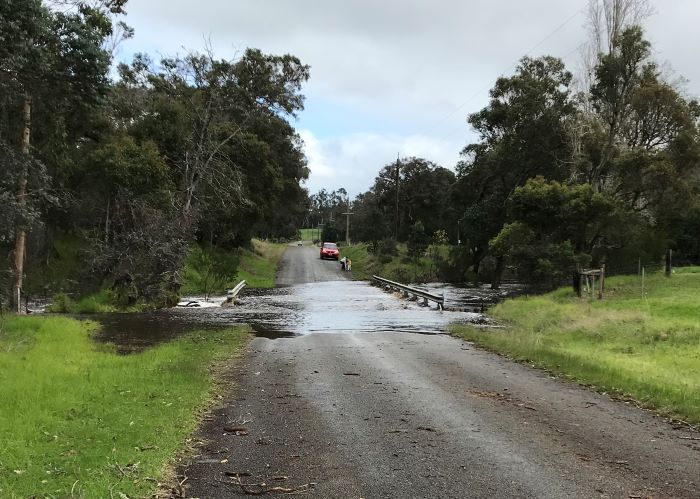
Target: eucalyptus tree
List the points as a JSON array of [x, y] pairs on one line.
[[522, 133], [218, 105], [52, 64]]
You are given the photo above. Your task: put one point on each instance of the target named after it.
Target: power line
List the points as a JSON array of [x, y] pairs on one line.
[[460, 127], [509, 68]]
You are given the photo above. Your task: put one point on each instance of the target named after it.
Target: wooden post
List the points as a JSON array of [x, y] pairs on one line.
[[643, 282], [576, 281], [602, 282], [669, 267]]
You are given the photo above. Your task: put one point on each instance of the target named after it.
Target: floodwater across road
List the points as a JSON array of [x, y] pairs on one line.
[[322, 307], [339, 413]]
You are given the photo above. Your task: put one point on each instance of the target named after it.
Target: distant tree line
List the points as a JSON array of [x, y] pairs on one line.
[[565, 173], [140, 163]]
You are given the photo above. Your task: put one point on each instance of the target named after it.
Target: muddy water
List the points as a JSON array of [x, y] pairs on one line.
[[325, 307]]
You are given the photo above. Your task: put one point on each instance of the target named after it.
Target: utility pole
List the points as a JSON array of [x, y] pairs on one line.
[[347, 228], [398, 171]]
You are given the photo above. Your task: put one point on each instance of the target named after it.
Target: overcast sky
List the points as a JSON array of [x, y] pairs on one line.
[[395, 77]]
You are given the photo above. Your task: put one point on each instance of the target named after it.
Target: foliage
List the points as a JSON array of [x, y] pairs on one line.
[[258, 266], [645, 348], [191, 149], [208, 271], [141, 259], [369, 223], [89, 416], [330, 232], [325, 206], [418, 240]]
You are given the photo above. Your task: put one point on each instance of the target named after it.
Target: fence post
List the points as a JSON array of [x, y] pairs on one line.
[[576, 281], [602, 282]]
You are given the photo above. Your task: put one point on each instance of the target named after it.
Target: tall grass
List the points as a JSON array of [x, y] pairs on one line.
[[78, 420], [398, 267], [645, 347], [259, 266], [209, 270]]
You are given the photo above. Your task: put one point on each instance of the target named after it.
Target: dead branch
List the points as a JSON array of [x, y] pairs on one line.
[[259, 489]]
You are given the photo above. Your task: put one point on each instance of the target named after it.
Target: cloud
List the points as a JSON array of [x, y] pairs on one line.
[[352, 161], [395, 75]]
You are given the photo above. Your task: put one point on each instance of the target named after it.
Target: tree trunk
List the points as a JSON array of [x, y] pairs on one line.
[[21, 239], [109, 209], [498, 272], [669, 265]]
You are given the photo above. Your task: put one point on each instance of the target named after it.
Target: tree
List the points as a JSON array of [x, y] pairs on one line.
[[418, 240], [46, 53], [552, 227], [369, 222], [523, 133], [217, 101], [330, 232], [415, 189]]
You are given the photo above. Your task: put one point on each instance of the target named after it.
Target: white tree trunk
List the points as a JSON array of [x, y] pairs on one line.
[[21, 239]]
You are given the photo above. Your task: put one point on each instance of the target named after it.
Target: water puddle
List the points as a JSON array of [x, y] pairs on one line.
[[326, 307]]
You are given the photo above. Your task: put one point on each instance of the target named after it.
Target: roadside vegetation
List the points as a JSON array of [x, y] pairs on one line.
[[397, 263], [78, 420], [259, 266], [646, 348], [558, 175], [206, 271], [116, 164], [309, 235]]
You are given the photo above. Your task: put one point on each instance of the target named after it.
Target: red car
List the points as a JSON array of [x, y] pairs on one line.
[[329, 250]]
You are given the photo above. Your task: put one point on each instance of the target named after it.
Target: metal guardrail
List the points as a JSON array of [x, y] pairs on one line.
[[410, 290], [232, 293]]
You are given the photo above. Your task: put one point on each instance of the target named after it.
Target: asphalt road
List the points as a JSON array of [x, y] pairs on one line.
[[302, 265], [402, 415]]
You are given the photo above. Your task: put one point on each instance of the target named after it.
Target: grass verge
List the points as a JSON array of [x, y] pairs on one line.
[[646, 348], [259, 266], [102, 302], [398, 267], [209, 270], [309, 234], [78, 420]]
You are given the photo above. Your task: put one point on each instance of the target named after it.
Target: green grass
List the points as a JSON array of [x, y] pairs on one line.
[[77, 420], [398, 267], [102, 302], [209, 270], [309, 234], [259, 266], [644, 348]]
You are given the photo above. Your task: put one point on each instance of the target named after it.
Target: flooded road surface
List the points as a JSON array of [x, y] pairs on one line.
[[354, 405], [314, 296], [322, 307]]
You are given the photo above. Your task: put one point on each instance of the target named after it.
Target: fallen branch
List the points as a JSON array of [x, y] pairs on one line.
[[259, 489]]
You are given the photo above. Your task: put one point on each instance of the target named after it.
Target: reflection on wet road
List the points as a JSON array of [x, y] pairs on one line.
[[323, 307]]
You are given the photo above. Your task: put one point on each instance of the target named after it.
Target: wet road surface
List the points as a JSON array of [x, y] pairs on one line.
[[386, 413]]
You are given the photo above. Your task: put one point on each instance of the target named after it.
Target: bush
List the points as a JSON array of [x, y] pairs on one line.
[[389, 247], [61, 303]]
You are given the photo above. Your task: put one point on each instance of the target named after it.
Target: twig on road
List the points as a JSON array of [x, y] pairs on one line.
[[259, 489]]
